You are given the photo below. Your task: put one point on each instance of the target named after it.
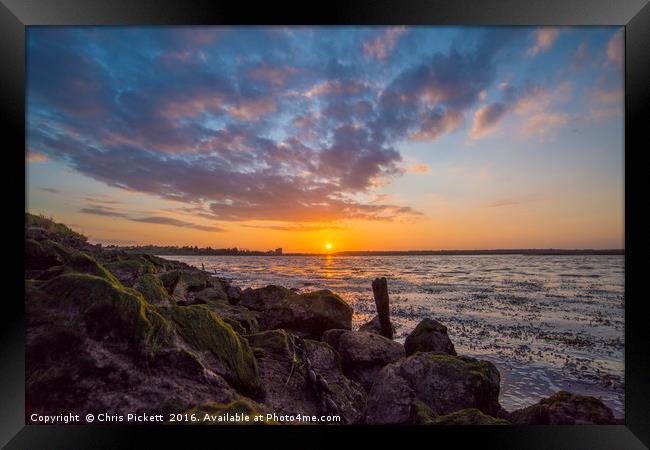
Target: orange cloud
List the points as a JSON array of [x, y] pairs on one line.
[[615, 48], [419, 168], [33, 157], [544, 39], [541, 123], [381, 46]]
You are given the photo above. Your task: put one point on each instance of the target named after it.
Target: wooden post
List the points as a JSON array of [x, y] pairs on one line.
[[380, 290]]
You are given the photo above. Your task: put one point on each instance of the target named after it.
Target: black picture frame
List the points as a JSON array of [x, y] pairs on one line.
[[15, 15]]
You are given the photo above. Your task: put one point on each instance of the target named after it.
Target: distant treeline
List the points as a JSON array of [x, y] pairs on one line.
[[200, 251], [529, 251]]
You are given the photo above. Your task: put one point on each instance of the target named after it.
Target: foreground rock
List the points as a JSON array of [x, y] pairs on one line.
[[443, 383], [363, 355], [309, 314], [284, 360], [373, 326], [429, 336], [565, 408], [95, 345]]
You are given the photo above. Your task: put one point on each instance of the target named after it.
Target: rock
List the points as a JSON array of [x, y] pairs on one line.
[[153, 290], [263, 298], [469, 416], [309, 314], [95, 346], [565, 408], [242, 319], [128, 267], [243, 411], [188, 286], [373, 326], [285, 379], [442, 382], [363, 355], [429, 336], [333, 336], [234, 294], [211, 295]]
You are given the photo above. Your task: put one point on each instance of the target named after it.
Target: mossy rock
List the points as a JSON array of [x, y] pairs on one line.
[[429, 336], [273, 340], [212, 295], [127, 268], [421, 413], [180, 283], [38, 258], [32, 220], [243, 317], [468, 416], [215, 413], [72, 261], [153, 290], [565, 408], [109, 311], [206, 332]]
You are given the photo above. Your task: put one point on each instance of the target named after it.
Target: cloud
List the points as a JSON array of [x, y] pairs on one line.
[[295, 227], [486, 118], [542, 123], [102, 211], [419, 168], [51, 190], [248, 125], [544, 40], [504, 202], [161, 220], [176, 223], [615, 50], [383, 44], [33, 157]]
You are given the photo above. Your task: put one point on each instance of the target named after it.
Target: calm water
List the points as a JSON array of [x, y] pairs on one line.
[[547, 322]]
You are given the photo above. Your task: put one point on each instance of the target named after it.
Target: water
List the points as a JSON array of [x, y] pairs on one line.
[[547, 322]]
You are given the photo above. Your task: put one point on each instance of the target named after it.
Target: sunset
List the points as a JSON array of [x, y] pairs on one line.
[[349, 225], [371, 138]]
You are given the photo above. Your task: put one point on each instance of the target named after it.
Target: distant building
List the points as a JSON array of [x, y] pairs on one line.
[[278, 251]]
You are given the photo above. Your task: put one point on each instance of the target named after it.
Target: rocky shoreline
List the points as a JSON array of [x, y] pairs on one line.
[[111, 331]]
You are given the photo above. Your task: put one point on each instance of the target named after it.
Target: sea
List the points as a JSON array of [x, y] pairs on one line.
[[547, 322]]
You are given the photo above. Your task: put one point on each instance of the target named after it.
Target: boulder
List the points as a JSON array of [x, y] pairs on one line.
[[565, 408], [153, 290], [129, 267], [429, 336], [263, 298], [243, 320], [234, 294], [442, 382], [284, 369], [309, 314], [242, 411], [363, 355], [94, 345], [373, 326], [421, 414]]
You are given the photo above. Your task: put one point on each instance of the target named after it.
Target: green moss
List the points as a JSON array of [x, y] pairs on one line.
[[241, 406], [74, 261], [272, 340], [462, 363], [153, 290], [135, 265], [421, 413], [37, 258], [212, 295], [240, 315], [204, 331], [469, 416], [109, 311], [40, 221]]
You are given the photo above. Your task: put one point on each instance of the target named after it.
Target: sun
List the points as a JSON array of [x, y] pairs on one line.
[[328, 246]]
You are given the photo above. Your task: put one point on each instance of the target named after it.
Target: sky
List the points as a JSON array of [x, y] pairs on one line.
[[366, 138]]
